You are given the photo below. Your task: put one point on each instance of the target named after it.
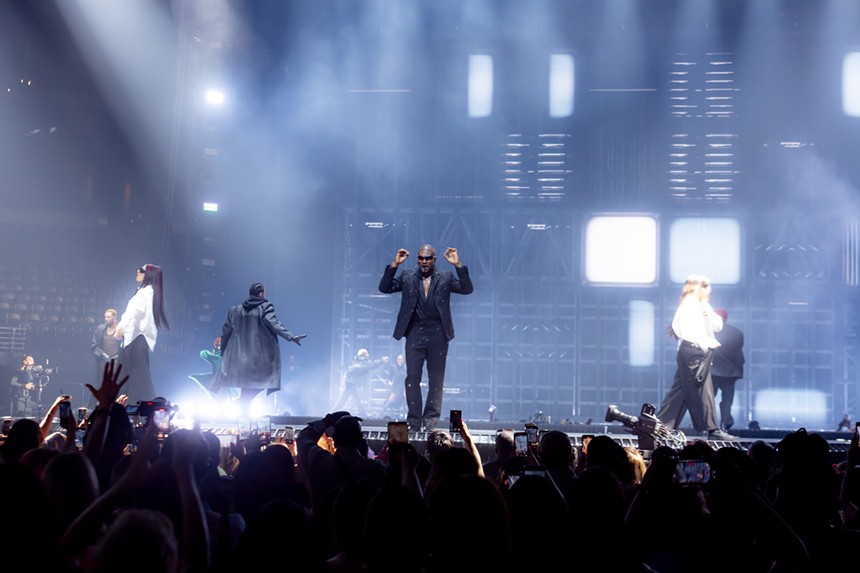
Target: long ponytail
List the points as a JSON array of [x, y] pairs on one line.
[[152, 276]]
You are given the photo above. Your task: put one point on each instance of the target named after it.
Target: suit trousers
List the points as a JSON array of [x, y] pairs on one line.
[[726, 387], [692, 389], [430, 345]]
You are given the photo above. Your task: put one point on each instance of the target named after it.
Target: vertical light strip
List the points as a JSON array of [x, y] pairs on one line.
[[562, 82], [851, 254], [480, 85], [851, 84], [641, 333]]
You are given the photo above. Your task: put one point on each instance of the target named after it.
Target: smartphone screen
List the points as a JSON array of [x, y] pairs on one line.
[[161, 419], [65, 408], [692, 472], [532, 432], [521, 443], [82, 414], [398, 432], [531, 470], [456, 419]]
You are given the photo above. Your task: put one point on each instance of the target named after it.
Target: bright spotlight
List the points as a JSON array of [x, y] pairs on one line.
[[210, 207], [214, 97], [230, 410], [257, 409]]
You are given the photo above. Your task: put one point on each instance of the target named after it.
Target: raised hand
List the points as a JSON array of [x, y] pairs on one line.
[[187, 443], [298, 339], [452, 256], [107, 394], [399, 257]]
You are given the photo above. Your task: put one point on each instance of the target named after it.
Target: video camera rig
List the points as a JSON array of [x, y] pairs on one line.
[[650, 432], [145, 408]]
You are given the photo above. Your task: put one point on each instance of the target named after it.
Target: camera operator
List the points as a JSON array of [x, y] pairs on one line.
[[22, 389]]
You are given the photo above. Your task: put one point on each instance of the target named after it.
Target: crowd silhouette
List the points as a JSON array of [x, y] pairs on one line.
[[105, 496]]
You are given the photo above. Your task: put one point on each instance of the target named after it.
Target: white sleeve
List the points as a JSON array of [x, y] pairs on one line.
[[134, 313]]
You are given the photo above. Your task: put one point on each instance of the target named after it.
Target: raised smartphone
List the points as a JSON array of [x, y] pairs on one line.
[[456, 421], [398, 432]]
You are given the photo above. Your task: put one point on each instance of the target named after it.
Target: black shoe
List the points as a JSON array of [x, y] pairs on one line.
[[721, 435]]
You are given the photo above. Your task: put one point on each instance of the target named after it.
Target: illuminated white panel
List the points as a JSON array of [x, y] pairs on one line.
[[561, 85], [214, 97], [851, 84], [211, 207], [794, 407], [705, 246], [641, 333], [480, 85], [621, 250]]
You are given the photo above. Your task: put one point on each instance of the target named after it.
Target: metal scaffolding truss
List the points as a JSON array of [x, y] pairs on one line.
[[535, 338]]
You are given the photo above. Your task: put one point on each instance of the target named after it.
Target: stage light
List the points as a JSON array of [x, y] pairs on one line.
[[641, 333], [480, 86], [257, 409], [621, 250], [561, 85], [210, 207], [705, 245], [214, 97], [851, 84], [792, 407]]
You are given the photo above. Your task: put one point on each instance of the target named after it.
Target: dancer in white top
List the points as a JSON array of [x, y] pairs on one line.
[[694, 325], [138, 329]]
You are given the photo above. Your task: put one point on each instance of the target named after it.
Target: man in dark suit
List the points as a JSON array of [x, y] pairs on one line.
[[105, 347], [728, 367], [425, 320]]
